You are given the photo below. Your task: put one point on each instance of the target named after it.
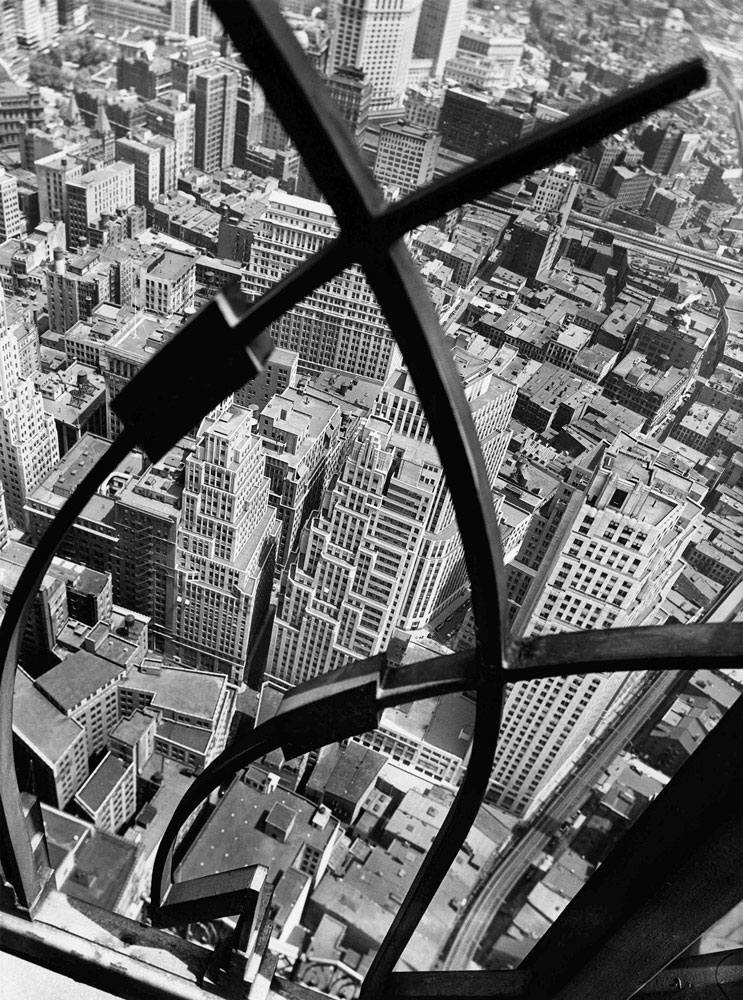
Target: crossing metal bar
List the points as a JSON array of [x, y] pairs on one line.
[[369, 233]]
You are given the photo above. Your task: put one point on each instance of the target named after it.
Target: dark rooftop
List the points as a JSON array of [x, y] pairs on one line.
[[185, 736], [40, 723], [130, 730], [77, 677], [281, 816], [233, 835], [102, 869], [346, 774], [101, 783], [63, 833]]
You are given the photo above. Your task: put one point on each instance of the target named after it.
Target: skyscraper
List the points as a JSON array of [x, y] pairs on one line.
[[533, 243], [173, 117], [215, 97], [605, 556], [352, 92], [340, 325], [225, 547], [301, 433], [383, 557], [376, 36], [557, 189], [406, 156], [205, 23], [439, 28], [116, 16], [95, 193], [28, 439], [377, 558], [37, 22], [12, 224], [660, 145]]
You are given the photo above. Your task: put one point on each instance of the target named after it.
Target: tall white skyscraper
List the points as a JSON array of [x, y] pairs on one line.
[[558, 188], [12, 224], [225, 546], [29, 449], [439, 27], [384, 556], [612, 554], [376, 36], [37, 22], [340, 324]]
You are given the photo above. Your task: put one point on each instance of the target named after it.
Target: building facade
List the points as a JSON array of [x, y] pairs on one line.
[[215, 100], [340, 325], [383, 556], [12, 223], [406, 156], [192, 709], [376, 36], [169, 284], [94, 194], [439, 27], [226, 547], [301, 433], [610, 552], [29, 449], [172, 117]]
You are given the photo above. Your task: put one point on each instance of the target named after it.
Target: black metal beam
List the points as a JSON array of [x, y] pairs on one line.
[[698, 892], [670, 877], [342, 703], [701, 977], [402, 295], [657, 647], [301, 101]]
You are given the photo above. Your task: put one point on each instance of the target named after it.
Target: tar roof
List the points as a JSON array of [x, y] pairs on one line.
[[452, 724], [185, 736], [77, 677], [130, 730], [180, 690], [101, 783], [233, 836], [171, 266], [101, 870], [353, 771], [39, 723]]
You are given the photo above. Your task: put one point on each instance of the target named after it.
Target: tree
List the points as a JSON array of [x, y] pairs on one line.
[[45, 71], [83, 50]]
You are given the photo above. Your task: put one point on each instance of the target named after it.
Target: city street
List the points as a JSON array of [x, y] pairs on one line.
[[473, 929]]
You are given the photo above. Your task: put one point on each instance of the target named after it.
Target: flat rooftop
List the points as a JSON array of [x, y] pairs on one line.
[[171, 266], [39, 723], [101, 783], [63, 833], [132, 729], [234, 835], [101, 871], [185, 736], [180, 689], [77, 677]]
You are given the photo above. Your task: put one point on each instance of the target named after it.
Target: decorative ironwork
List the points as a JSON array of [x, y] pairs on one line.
[[353, 696], [331, 978]]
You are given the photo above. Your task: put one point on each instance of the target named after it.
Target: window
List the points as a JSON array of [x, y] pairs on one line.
[[394, 280]]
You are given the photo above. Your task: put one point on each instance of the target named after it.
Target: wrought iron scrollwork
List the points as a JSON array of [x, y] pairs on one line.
[[355, 695]]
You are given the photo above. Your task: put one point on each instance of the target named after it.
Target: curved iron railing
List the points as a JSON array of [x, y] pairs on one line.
[[223, 347]]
